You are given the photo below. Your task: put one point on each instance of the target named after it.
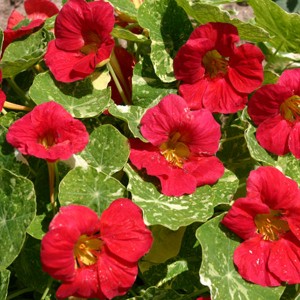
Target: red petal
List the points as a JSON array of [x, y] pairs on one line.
[[115, 276], [252, 260], [188, 65], [240, 218], [57, 256], [206, 170], [123, 230], [273, 135], [284, 259], [49, 117], [222, 35], [163, 119], [174, 181], [40, 9], [14, 19], [245, 68], [290, 79], [265, 103], [82, 218], [294, 140], [216, 95], [85, 285], [273, 188]]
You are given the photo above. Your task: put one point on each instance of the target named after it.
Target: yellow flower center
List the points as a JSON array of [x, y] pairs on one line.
[[86, 250], [290, 108], [215, 64], [270, 226], [91, 43], [175, 151], [47, 140]]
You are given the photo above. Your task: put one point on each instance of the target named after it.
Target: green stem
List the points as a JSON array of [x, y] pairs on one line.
[[19, 91], [232, 138], [18, 293], [118, 85], [46, 291], [4, 111], [51, 172], [14, 106]]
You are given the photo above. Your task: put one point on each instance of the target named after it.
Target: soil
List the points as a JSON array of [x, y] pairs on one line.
[[6, 7]]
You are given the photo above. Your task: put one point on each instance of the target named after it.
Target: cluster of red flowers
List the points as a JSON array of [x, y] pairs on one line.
[[98, 257]]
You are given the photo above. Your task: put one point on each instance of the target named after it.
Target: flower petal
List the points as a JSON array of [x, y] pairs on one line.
[[252, 260], [240, 218], [294, 140], [273, 135], [273, 188], [40, 9], [284, 259], [123, 230], [290, 79], [245, 68], [116, 277], [265, 103]]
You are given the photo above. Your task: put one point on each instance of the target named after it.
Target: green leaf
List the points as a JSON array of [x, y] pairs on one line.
[[23, 54], [131, 114], [4, 281], [107, 151], [180, 272], [225, 188], [17, 210], [169, 27], [217, 268], [9, 158], [122, 33], [28, 266], [256, 151], [147, 88], [174, 212], [79, 98], [283, 27], [204, 13], [90, 188], [124, 6], [290, 166], [154, 293]]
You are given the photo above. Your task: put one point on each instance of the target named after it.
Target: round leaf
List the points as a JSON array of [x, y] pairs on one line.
[[107, 151], [90, 188], [79, 98], [17, 210], [174, 212]]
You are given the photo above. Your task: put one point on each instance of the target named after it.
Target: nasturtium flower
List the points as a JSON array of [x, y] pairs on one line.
[[268, 220], [2, 94], [37, 12], [181, 149], [216, 74], [82, 39], [48, 132], [95, 257], [275, 109]]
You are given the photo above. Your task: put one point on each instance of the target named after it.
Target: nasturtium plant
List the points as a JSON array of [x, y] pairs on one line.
[[149, 149]]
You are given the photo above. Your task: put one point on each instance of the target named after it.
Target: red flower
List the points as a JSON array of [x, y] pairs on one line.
[[2, 95], [37, 12], [83, 41], [48, 132], [216, 74], [268, 219], [181, 149], [275, 109], [95, 257]]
